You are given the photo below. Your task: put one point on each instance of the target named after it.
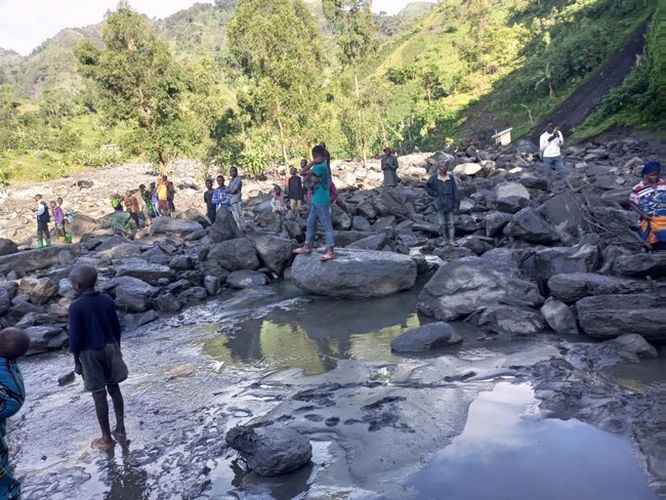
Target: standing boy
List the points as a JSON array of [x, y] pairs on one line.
[[208, 200], [443, 187], [295, 190], [59, 220], [550, 143], [94, 339], [221, 198], [43, 219], [14, 343], [320, 209], [235, 190]]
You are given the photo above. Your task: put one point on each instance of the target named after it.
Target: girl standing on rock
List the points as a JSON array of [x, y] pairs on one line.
[[648, 198]]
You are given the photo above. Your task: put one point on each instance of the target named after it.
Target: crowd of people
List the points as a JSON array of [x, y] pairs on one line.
[[61, 219]]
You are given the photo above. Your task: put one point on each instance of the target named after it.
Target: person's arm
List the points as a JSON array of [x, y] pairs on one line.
[[10, 402], [456, 196], [75, 336], [114, 322], [430, 185], [560, 138], [543, 142]]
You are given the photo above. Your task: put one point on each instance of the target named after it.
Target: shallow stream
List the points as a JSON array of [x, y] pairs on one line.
[[459, 424]]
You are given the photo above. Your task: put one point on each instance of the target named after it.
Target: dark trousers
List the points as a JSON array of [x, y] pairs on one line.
[[43, 232]]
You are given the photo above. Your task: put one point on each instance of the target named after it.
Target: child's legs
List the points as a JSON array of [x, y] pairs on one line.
[[102, 411], [313, 217], [118, 406], [325, 218]]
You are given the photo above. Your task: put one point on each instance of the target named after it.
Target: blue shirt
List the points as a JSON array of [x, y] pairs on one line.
[[93, 322], [12, 391]]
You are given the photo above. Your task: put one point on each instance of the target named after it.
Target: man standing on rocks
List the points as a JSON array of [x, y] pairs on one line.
[[221, 198], [442, 186], [235, 190], [320, 207], [550, 143], [43, 219], [390, 168]]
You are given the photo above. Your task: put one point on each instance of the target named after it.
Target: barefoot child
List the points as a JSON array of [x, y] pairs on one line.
[[14, 343], [94, 339]]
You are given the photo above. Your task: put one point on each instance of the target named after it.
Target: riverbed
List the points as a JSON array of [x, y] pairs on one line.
[[462, 423]]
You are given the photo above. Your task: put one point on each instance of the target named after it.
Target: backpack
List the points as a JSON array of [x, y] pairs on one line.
[[46, 216], [333, 190]]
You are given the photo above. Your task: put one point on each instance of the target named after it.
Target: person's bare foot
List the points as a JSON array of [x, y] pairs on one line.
[[102, 443]]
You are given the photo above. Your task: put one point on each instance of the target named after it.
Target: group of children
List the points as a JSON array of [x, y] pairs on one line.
[[94, 333], [43, 213], [225, 196]]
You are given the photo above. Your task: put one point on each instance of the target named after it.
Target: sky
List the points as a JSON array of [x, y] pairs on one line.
[[25, 24]]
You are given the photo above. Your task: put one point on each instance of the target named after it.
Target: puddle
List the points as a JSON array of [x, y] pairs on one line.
[[507, 453]]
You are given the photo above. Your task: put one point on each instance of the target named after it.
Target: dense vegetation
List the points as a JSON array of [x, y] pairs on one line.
[[219, 83]]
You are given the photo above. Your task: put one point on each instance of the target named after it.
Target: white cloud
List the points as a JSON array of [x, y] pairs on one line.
[[25, 24]]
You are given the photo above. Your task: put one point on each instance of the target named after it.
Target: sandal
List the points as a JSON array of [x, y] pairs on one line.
[[303, 251], [327, 256]]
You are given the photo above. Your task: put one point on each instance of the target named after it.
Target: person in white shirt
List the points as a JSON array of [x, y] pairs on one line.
[[550, 143]]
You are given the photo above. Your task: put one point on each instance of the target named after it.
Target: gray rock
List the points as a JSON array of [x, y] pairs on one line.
[[609, 316], [274, 252], [82, 224], [129, 285], [167, 303], [426, 337], [181, 263], [525, 146], [641, 265], [133, 321], [564, 213], [383, 223], [7, 293], [143, 270], [509, 320], [355, 273], [346, 238], [46, 338], [43, 291], [367, 210], [511, 197], [167, 225], [543, 264], [7, 247], [360, 223], [270, 451], [559, 317], [212, 284], [467, 285], [477, 244], [530, 226], [375, 242], [637, 345], [340, 219], [231, 255], [193, 295], [124, 251], [28, 261], [495, 223], [572, 287], [225, 228], [467, 169], [245, 279]]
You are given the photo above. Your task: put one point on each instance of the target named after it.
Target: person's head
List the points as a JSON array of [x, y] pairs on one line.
[[38, 197], [52, 203], [233, 172], [292, 170], [128, 193], [304, 163], [165, 178], [318, 152], [59, 200], [651, 171], [443, 168], [220, 180], [550, 128], [277, 190], [142, 187], [83, 278], [387, 150], [14, 343], [209, 183], [152, 186]]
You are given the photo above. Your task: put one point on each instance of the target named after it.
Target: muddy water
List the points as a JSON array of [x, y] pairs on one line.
[[382, 426]]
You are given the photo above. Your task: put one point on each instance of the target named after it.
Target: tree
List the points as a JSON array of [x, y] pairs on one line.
[[139, 83], [357, 38], [276, 47]]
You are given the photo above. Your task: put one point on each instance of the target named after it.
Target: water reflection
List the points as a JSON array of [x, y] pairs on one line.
[[505, 454], [316, 336]]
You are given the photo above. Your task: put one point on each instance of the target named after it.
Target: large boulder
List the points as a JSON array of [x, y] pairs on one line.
[[7, 247], [23, 263], [572, 287], [82, 224], [511, 197], [564, 213], [225, 228], [355, 273], [166, 225], [495, 223], [270, 451], [609, 316], [509, 320], [467, 285], [559, 317], [375, 242], [530, 226], [274, 252], [43, 291], [641, 265], [467, 169], [144, 270], [426, 337], [542, 264], [46, 338], [231, 255], [131, 294]]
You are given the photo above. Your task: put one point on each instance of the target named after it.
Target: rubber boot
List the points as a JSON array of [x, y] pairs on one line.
[[40, 244], [451, 235], [48, 243]]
